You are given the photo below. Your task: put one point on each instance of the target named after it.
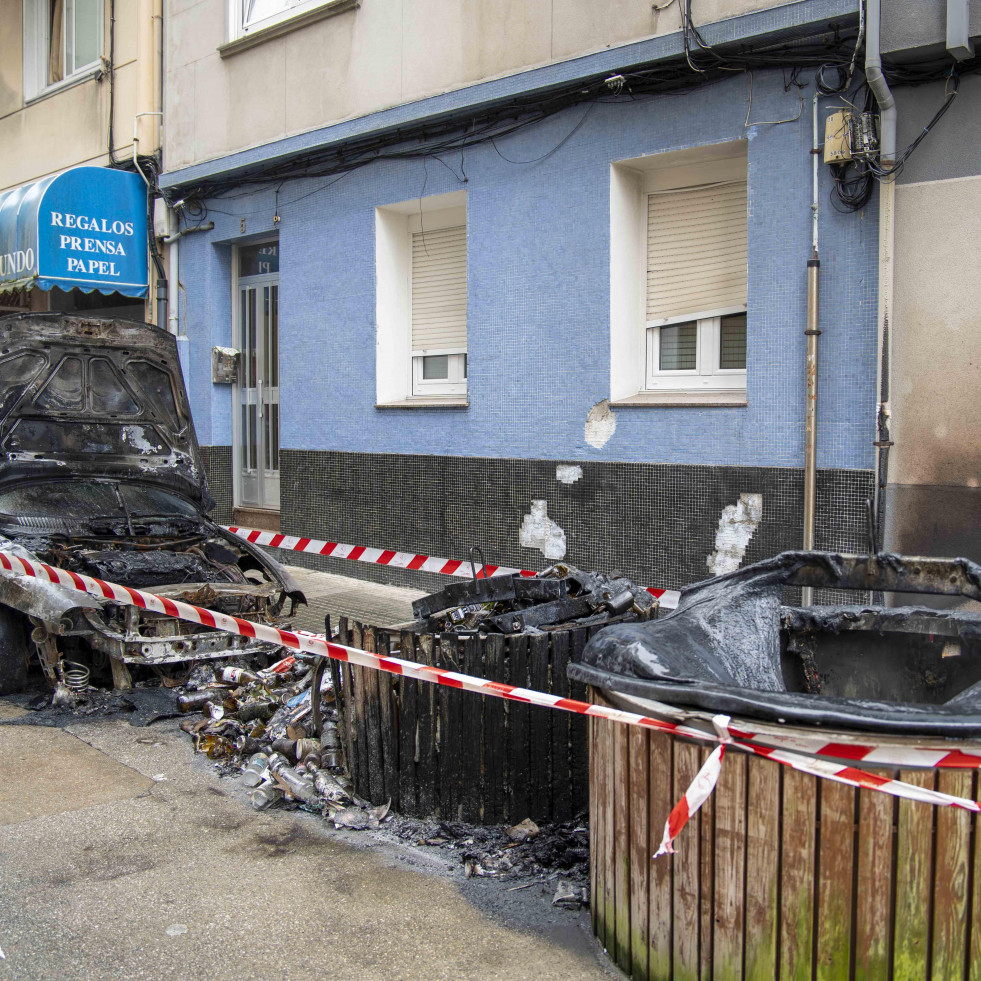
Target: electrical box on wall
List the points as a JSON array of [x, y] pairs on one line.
[[836, 146], [224, 365], [850, 135], [163, 219]]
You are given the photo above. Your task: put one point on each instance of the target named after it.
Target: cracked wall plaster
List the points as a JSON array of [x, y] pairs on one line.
[[736, 527], [539, 531], [568, 473], [601, 424]]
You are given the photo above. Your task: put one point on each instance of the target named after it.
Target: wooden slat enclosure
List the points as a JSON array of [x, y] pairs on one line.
[[780, 875], [447, 753]]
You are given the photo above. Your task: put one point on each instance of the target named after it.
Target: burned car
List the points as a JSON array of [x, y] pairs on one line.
[[101, 474]]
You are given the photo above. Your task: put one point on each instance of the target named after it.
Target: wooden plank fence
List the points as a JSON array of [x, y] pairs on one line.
[[780, 875], [441, 752]]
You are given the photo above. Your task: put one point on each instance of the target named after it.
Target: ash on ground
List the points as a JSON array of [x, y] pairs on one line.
[[553, 852], [264, 726]]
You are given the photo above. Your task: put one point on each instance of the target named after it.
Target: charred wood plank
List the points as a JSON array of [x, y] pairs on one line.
[[495, 742], [519, 768], [389, 724], [470, 728], [426, 770], [408, 728], [560, 734], [540, 735], [579, 750]]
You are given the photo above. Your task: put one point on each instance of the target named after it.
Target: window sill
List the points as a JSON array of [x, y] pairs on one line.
[[250, 40], [95, 71], [428, 402], [685, 400]]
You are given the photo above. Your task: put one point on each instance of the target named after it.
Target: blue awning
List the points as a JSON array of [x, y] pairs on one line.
[[83, 229]]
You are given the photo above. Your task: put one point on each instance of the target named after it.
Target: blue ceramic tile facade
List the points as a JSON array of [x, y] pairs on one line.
[[539, 296]]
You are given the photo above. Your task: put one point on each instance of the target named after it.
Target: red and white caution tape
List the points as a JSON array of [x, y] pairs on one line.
[[668, 598], [319, 645], [699, 790]]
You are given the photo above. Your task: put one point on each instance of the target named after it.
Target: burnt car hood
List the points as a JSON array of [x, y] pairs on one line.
[[84, 397]]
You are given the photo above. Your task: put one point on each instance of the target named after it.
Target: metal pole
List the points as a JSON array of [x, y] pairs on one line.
[[812, 333], [887, 202]]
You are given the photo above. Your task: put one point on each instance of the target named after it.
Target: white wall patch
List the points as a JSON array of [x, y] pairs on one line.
[[736, 527], [601, 424], [568, 473], [539, 531]]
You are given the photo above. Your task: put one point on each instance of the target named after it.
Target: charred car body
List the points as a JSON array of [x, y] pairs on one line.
[[101, 474]]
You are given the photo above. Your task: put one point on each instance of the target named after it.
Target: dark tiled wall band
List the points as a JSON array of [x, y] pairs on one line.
[[654, 522], [218, 469]]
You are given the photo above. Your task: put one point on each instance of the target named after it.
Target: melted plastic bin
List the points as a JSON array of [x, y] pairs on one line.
[[783, 875]]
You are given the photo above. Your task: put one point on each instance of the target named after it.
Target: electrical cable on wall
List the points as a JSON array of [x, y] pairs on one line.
[[833, 53], [854, 180], [459, 131]]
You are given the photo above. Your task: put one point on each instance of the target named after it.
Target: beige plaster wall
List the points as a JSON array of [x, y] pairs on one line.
[[70, 127], [936, 362], [383, 53]]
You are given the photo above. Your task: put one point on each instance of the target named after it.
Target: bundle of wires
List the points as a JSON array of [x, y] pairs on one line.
[[854, 180], [833, 52]]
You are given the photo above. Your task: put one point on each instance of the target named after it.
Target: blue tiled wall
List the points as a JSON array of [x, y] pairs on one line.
[[538, 309]]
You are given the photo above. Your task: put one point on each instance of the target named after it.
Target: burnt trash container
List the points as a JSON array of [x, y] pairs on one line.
[[782, 874]]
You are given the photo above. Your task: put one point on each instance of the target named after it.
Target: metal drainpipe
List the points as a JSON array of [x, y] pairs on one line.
[[887, 234], [811, 363], [173, 272]]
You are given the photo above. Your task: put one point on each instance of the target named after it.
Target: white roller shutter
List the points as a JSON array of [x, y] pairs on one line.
[[439, 290], [696, 250]]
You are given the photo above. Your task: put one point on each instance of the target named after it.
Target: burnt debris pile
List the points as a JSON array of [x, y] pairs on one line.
[[561, 596], [277, 727], [557, 852]]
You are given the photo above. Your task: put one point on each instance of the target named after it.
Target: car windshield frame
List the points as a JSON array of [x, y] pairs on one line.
[[94, 499]]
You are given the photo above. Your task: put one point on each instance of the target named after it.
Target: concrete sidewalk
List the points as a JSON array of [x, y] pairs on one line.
[[367, 602], [124, 856]]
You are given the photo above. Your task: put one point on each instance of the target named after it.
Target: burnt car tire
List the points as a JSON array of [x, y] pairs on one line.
[[13, 652]]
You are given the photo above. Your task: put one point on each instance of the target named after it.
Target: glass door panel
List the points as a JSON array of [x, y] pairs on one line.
[[258, 390]]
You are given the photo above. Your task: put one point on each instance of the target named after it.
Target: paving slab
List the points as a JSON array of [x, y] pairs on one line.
[[367, 602], [50, 771]]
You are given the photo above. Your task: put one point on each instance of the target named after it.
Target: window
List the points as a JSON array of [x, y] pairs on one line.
[[439, 306], [696, 287], [62, 43], [250, 16], [679, 277], [707, 354], [422, 300]]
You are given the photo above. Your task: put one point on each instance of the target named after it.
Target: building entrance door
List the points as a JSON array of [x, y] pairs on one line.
[[257, 443]]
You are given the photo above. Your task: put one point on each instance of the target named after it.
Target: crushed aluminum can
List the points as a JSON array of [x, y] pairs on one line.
[[306, 748], [303, 790]]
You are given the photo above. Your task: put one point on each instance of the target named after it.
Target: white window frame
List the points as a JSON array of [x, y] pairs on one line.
[[634, 340], [237, 10], [706, 376], [399, 367], [454, 384], [37, 44]]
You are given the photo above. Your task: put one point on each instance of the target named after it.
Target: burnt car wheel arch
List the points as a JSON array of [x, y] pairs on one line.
[[14, 651]]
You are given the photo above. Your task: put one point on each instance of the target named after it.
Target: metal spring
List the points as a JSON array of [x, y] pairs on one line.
[[76, 676]]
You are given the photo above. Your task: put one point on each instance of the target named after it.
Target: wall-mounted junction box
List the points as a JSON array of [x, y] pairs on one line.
[[224, 365], [849, 135]]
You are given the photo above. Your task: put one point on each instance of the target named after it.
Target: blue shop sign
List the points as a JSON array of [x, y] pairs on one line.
[[83, 229]]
